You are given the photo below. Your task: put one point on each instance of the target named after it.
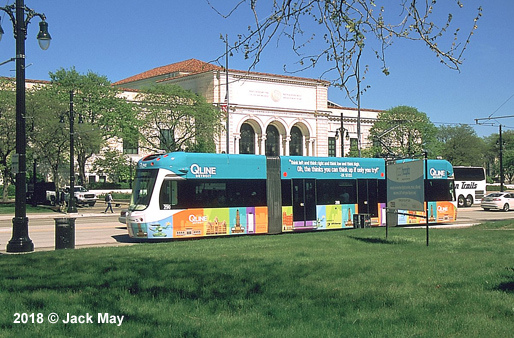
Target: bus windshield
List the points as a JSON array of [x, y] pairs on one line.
[[144, 183]]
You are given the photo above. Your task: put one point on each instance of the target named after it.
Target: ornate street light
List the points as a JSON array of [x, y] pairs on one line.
[[72, 208], [20, 16], [345, 134]]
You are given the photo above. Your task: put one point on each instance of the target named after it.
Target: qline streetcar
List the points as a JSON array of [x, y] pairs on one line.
[[181, 195]]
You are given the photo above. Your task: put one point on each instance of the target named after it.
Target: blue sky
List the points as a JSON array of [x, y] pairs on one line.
[[121, 38]]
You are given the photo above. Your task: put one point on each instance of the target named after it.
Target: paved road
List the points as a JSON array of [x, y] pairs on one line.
[[94, 228]]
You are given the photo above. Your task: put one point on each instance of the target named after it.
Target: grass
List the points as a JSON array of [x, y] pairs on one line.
[[351, 283], [8, 208]]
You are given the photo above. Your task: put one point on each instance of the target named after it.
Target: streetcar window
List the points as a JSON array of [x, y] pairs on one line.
[[168, 194], [336, 192], [439, 190], [220, 193], [286, 193], [144, 183]]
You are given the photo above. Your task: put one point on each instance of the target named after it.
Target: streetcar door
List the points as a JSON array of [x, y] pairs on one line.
[[368, 197], [304, 203]]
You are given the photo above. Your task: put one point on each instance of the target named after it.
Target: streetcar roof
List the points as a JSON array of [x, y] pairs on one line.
[[247, 166]]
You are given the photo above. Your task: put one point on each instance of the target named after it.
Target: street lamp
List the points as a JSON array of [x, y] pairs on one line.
[[72, 208], [345, 134], [20, 16]]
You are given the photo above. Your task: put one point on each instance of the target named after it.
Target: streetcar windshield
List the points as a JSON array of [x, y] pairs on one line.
[[142, 190]]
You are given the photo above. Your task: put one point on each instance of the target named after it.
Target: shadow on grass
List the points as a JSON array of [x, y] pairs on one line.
[[506, 287], [375, 240]]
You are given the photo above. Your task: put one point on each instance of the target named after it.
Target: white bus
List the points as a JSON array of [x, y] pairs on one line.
[[470, 185]]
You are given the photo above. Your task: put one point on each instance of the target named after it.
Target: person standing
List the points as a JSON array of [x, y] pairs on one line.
[[108, 200]]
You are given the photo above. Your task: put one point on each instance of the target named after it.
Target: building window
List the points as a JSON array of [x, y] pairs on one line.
[[332, 147], [272, 141], [354, 144], [130, 147], [296, 143], [91, 179], [166, 139], [247, 140]]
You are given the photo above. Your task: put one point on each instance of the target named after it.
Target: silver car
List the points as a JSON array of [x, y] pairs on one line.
[[122, 218], [498, 200]]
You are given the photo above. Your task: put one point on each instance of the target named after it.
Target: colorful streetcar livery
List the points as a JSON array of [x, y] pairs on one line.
[[184, 195]]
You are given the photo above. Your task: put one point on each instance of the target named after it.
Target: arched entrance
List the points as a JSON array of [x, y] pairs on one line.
[[296, 143], [272, 146], [247, 140]]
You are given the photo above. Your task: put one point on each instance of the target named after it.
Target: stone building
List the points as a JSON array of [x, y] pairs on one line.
[[267, 113]]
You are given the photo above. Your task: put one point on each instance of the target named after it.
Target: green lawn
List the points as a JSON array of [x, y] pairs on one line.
[[351, 283], [8, 208]]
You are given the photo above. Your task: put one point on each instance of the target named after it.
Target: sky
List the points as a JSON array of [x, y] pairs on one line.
[[121, 38]]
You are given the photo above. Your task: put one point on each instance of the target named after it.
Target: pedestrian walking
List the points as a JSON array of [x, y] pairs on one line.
[[108, 200]]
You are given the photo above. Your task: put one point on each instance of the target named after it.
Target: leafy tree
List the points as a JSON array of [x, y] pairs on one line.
[[48, 140], [493, 155], [402, 132], [337, 33], [7, 132], [114, 164], [461, 145], [172, 118], [100, 106]]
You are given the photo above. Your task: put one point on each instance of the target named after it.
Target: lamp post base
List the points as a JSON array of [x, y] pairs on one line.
[[20, 241]]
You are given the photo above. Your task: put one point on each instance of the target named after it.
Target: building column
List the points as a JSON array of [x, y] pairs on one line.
[[237, 137], [262, 145], [287, 139]]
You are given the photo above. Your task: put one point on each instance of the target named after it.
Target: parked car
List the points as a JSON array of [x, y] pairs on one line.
[[498, 200], [122, 218]]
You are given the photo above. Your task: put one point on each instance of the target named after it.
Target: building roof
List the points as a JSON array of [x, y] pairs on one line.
[[191, 66], [194, 66]]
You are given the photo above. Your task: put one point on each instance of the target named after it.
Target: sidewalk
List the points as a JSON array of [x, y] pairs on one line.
[[58, 215]]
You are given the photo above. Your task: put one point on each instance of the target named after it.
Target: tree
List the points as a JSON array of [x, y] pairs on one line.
[[493, 155], [100, 106], [49, 142], [172, 118], [402, 132], [461, 145], [336, 33], [7, 132], [114, 164]]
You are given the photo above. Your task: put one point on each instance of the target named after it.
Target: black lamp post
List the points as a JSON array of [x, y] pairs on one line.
[[20, 16], [344, 134], [72, 208]]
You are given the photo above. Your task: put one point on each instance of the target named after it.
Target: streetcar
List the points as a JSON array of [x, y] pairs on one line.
[[187, 195]]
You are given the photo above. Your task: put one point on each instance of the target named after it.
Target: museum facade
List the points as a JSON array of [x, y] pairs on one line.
[[268, 114]]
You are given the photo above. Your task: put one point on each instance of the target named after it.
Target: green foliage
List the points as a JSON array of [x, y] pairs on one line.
[[402, 132], [174, 119], [351, 283], [492, 155], [115, 165], [100, 106], [7, 132], [461, 145]]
